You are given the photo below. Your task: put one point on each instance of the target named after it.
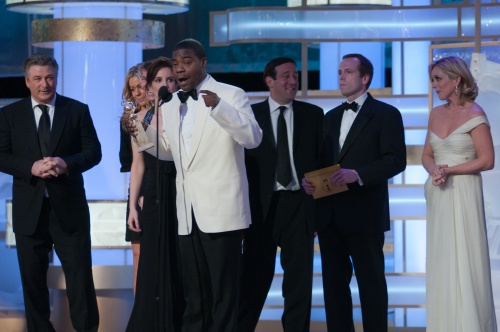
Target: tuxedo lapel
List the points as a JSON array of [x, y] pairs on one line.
[[336, 122], [199, 126], [32, 127], [171, 119], [62, 110], [202, 112], [263, 116], [299, 118], [365, 113]]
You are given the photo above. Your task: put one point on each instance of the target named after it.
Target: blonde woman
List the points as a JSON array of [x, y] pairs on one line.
[[134, 94], [457, 149]]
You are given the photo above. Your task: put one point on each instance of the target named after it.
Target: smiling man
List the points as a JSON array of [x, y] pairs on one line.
[[281, 212], [46, 142], [207, 125]]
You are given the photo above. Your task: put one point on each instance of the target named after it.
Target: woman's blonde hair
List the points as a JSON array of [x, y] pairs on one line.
[[454, 67], [127, 96]]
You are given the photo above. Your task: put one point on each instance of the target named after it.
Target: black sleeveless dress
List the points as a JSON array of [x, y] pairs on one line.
[[159, 301]]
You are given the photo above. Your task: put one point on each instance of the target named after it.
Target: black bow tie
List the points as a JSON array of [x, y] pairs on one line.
[[183, 95], [350, 106]]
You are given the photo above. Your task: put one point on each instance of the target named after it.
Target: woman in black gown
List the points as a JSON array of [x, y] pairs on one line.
[[159, 300]]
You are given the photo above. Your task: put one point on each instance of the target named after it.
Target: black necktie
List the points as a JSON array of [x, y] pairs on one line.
[[183, 95], [284, 170], [350, 106], [44, 130]]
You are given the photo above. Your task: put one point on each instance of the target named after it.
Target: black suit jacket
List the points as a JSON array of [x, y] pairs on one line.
[[261, 161], [72, 138], [375, 148]]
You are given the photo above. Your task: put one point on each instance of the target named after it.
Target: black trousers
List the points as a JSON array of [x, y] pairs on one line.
[[284, 227], [73, 249], [210, 270], [340, 253]]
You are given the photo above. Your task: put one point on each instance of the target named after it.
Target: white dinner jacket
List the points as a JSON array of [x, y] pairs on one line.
[[212, 180]]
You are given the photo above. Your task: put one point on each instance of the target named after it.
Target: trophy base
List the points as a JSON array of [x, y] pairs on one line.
[[141, 140], [144, 147]]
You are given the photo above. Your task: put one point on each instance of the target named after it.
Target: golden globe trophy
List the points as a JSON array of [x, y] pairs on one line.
[[140, 140]]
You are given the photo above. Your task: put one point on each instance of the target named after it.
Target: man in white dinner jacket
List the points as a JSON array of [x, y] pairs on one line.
[[205, 129]]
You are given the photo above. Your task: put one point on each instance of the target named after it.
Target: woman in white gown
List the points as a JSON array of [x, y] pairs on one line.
[[457, 149]]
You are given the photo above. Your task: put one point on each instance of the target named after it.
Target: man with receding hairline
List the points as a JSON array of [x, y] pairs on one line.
[[46, 142], [366, 137], [282, 213]]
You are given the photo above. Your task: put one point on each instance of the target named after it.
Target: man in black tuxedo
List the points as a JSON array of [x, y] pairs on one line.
[[281, 211], [366, 137], [46, 142]]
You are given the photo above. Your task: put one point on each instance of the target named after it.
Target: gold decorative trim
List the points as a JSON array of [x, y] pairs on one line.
[[47, 31]]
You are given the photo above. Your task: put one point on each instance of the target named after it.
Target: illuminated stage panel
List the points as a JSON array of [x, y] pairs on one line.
[[404, 291], [407, 202], [414, 110], [157, 7], [489, 21], [267, 24], [107, 224], [387, 23], [415, 174]]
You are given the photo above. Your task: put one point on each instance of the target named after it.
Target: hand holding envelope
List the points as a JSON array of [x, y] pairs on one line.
[[318, 182]]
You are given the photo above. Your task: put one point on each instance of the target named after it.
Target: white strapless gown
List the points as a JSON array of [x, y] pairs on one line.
[[458, 294]]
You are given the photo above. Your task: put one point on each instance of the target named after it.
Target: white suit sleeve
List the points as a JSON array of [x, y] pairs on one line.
[[164, 151], [237, 118]]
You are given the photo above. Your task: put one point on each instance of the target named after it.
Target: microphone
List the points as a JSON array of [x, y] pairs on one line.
[[164, 96]]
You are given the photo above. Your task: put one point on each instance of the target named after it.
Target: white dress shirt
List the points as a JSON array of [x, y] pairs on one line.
[[38, 112], [188, 117], [347, 121], [349, 117]]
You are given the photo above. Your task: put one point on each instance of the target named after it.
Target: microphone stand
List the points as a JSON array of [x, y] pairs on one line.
[[163, 96], [158, 215]]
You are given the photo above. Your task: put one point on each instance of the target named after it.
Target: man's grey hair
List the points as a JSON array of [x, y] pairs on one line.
[[40, 59]]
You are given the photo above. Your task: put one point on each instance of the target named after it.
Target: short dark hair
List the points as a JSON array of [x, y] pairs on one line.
[[270, 69], [365, 66], [158, 64], [39, 59], [146, 65], [191, 44]]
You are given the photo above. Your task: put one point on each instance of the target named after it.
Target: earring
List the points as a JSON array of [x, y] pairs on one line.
[[457, 92]]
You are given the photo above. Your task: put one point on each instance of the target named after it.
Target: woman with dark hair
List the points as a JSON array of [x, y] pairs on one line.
[[159, 300], [458, 148]]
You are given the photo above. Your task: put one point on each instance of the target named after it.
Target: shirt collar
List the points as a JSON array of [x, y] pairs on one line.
[[51, 105], [198, 88], [273, 105], [360, 100]]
